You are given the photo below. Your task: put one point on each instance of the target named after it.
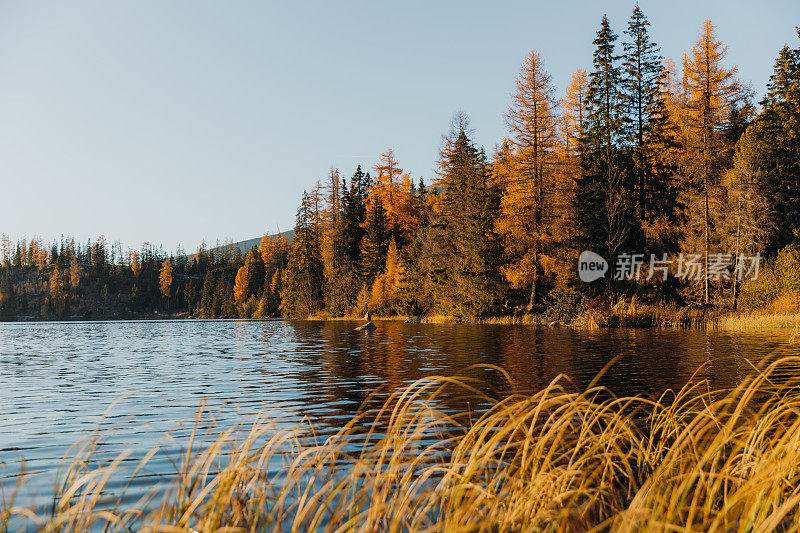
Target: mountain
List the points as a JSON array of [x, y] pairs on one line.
[[249, 244]]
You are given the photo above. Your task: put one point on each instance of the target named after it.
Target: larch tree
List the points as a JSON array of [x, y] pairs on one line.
[[74, 273], [711, 91], [387, 175], [528, 204], [248, 283], [5, 250], [386, 288], [573, 106], [135, 263], [165, 279], [58, 298]]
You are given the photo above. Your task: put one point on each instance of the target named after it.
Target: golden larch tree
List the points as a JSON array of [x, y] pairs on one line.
[[392, 185], [165, 279], [74, 273], [5, 250], [711, 91], [136, 265], [574, 107], [527, 205]]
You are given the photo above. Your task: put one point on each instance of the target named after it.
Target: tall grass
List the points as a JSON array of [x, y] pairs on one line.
[[558, 460], [749, 321]]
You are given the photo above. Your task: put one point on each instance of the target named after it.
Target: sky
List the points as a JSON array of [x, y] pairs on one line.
[[188, 121]]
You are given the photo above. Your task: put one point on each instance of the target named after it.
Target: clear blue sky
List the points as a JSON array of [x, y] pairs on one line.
[[174, 122]]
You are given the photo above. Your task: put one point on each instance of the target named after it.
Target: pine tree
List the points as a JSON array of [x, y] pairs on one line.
[[304, 283], [602, 208], [207, 298], [375, 241], [642, 72], [770, 150], [354, 215], [461, 250]]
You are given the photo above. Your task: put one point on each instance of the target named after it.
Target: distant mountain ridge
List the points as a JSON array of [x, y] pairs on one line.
[[249, 244]]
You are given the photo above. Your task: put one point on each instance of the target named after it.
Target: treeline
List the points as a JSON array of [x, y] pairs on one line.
[[98, 281], [639, 156]]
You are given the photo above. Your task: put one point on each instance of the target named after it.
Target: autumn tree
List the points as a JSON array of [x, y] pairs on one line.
[[58, 297], [711, 91], [165, 279], [248, 284], [574, 112], [134, 261], [386, 288], [530, 206], [5, 250], [74, 273]]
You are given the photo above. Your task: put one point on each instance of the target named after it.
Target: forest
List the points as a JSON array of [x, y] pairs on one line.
[[640, 155]]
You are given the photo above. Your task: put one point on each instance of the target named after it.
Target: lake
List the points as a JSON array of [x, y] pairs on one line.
[[145, 379]]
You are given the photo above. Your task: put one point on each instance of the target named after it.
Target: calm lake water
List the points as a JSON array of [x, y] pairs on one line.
[[61, 381]]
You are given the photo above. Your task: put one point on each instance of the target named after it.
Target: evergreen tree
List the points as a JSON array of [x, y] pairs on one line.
[[602, 208], [771, 149], [354, 215], [207, 298], [375, 242], [8, 301], [462, 254], [642, 72], [304, 282]]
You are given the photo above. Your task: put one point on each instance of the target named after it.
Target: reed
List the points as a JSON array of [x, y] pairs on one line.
[[749, 321], [558, 460]]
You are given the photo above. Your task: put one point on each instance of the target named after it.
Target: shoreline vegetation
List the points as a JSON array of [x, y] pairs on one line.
[[693, 459], [641, 157], [644, 318]]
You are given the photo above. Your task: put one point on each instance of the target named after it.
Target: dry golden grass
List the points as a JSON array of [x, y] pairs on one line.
[[557, 460], [749, 321]]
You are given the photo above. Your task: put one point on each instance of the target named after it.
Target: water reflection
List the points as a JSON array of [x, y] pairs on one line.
[[58, 379]]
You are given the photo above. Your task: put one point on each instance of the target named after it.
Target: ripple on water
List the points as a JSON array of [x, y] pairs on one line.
[[140, 383]]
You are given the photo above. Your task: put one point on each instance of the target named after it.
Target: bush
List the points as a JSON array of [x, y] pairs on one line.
[[563, 304], [778, 282]]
